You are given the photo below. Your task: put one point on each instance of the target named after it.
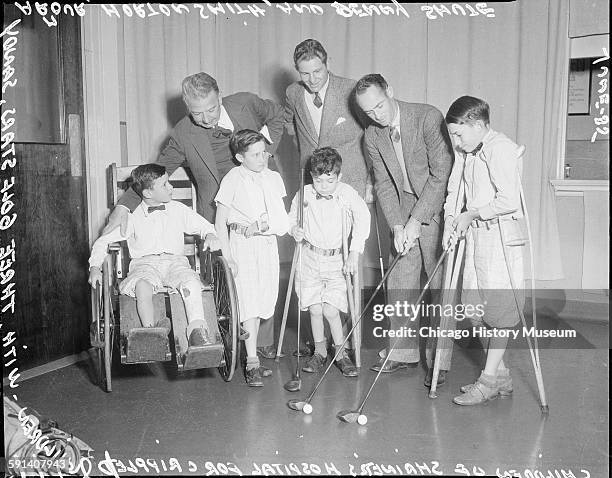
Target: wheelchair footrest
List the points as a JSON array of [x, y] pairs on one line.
[[206, 356], [147, 344]]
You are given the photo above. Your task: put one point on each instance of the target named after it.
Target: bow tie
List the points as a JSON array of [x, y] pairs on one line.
[[218, 131], [156, 208], [476, 150], [322, 196]]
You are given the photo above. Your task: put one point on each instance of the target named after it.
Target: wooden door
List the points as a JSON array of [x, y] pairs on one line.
[[51, 316]]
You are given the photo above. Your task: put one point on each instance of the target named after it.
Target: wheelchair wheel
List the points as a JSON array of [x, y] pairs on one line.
[[226, 302]]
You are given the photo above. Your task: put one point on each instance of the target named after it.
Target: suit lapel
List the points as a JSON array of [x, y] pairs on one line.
[[329, 115], [390, 158], [408, 133], [304, 115], [202, 146]]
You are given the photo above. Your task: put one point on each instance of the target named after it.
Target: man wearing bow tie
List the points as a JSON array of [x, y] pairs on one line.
[[201, 139], [411, 152], [320, 112]]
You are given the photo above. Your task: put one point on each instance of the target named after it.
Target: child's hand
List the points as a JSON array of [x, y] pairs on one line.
[[462, 221], [251, 230], [211, 241], [95, 276], [352, 263], [448, 230], [297, 233]]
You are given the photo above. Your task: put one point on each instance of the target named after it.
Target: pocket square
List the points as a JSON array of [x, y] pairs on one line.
[[340, 120]]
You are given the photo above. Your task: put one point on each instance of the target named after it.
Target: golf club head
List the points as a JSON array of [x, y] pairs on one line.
[[295, 404], [293, 385], [544, 409], [433, 394], [348, 416]]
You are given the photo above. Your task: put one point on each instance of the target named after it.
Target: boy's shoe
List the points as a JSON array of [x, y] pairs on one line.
[[347, 367], [441, 378], [265, 371], [253, 377], [164, 323], [503, 383], [480, 392], [267, 352], [199, 337], [392, 366], [315, 364]]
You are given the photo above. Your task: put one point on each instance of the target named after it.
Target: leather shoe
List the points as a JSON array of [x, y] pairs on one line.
[[429, 377], [253, 377], [392, 366], [267, 352], [346, 367], [315, 364], [199, 337]]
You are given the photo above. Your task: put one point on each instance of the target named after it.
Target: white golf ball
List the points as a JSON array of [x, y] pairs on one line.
[[307, 408], [362, 419]]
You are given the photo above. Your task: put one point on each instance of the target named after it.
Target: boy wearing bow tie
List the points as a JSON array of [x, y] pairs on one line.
[[319, 281], [156, 244]]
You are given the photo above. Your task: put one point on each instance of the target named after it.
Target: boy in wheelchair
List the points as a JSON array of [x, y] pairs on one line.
[[156, 245]]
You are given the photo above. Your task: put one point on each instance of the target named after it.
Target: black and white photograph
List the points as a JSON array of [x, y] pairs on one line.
[[280, 238]]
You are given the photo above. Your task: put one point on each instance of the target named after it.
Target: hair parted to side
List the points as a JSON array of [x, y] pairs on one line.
[[372, 79], [309, 49], [145, 175], [240, 141], [199, 85], [324, 161], [468, 109]]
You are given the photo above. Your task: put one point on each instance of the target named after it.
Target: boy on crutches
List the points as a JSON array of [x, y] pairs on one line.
[[490, 172], [320, 281]]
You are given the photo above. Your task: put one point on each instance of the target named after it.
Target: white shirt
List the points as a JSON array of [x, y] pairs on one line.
[[248, 195], [158, 232], [323, 217], [224, 120], [491, 179], [399, 151], [316, 113]]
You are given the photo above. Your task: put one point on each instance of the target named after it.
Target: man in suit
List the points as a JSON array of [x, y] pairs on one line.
[[320, 112], [411, 153], [200, 140]]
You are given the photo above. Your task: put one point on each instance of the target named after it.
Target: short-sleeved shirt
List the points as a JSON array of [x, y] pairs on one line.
[[249, 195]]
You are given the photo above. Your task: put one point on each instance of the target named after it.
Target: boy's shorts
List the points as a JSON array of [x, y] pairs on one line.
[[159, 270], [323, 280], [486, 282]]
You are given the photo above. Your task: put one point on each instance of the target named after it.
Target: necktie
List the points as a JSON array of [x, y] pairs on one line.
[[156, 208], [218, 132], [317, 101], [323, 196], [476, 150], [395, 134]]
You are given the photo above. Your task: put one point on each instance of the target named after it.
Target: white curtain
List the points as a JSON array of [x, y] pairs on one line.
[[516, 61]]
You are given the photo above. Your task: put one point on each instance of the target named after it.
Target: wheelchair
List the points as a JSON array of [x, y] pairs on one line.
[[116, 324]]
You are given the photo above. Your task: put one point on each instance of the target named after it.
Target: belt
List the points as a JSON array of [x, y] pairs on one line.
[[489, 223], [322, 252], [238, 228]]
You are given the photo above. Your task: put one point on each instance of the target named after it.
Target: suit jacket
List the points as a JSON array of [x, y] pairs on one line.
[[340, 128], [190, 146], [428, 157]]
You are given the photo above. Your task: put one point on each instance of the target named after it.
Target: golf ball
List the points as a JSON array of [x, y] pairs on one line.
[[307, 408], [362, 419]]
